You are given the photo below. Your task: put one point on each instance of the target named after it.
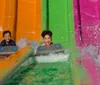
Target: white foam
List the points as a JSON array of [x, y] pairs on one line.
[[22, 43], [53, 58], [92, 50]]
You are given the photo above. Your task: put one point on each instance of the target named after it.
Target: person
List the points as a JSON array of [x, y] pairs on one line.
[[7, 39], [47, 38]]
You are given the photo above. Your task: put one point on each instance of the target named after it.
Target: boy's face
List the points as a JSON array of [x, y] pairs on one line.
[[7, 37], [47, 40]]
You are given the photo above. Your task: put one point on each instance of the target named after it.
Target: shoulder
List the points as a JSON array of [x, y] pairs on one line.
[[3, 41], [12, 41]]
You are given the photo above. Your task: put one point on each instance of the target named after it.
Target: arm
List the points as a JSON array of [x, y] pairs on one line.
[[13, 43], [2, 43]]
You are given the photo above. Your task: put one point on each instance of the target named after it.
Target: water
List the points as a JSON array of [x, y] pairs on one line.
[[43, 74], [52, 58], [93, 52], [53, 69], [46, 72]]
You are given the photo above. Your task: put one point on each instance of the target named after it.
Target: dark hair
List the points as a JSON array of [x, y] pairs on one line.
[[46, 32], [5, 32]]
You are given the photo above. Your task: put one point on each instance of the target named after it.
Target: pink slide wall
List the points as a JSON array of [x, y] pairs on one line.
[[92, 69], [87, 18], [88, 13]]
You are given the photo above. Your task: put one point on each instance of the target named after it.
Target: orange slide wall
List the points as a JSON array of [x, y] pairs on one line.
[[7, 16], [22, 18]]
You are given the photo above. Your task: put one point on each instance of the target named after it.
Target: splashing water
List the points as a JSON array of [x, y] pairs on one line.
[[53, 58], [93, 52]]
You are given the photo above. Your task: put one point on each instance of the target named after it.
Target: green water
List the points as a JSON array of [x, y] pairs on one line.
[[43, 74]]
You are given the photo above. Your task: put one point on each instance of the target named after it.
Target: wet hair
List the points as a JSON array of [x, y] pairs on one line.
[[46, 32], [5, 32]]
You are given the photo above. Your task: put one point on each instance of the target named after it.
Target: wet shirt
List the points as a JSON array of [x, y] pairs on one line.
[[10, 43]]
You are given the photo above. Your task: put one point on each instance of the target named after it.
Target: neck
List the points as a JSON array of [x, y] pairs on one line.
[[48, 45]]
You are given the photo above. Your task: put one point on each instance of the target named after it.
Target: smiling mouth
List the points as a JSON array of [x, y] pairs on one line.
[[47, 42]]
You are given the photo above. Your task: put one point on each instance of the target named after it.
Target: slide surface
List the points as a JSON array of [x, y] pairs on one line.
[[50, 74], [7, 16], [10, 65], [61, 23], [87, 24], [43, 74], [29, 20]]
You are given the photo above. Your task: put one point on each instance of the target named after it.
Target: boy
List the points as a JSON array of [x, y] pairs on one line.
[[7, 39], [47, 38]]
